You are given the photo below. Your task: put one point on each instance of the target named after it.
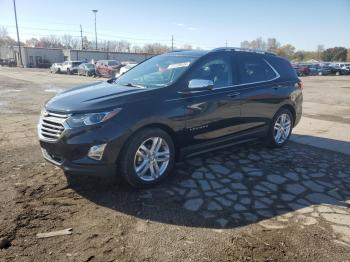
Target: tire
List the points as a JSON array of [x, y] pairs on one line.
[[131, 158], [272, 138]]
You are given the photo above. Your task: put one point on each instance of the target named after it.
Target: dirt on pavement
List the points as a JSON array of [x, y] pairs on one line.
[[239, 204]]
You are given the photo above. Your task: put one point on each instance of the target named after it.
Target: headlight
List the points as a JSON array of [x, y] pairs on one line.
[[91, 118]]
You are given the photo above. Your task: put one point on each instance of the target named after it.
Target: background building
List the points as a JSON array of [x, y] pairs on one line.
[[44, 57]]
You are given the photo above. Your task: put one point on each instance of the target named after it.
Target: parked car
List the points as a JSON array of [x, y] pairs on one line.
[[86, 69], [70, 67], [125, 68], [301, 70], [108, 68], [170, 106], [56, 68], [345, 68], [8, 62], [316, 69], [336, 70]]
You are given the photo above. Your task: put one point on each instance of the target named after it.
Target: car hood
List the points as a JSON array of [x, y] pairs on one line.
[[93, 98]]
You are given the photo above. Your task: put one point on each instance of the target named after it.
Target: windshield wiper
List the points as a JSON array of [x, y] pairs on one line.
[[133, 85]]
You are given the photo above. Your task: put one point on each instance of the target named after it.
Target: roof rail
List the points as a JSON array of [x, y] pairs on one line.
[[179, 50], [239, 49]]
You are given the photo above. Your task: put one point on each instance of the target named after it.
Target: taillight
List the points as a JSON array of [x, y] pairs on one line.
[[299, 85]]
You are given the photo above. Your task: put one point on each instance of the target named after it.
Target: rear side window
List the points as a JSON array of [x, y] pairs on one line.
[[252, 69], [283, 67]]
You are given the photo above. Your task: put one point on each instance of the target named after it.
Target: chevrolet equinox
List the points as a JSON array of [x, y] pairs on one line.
[[172, 105]]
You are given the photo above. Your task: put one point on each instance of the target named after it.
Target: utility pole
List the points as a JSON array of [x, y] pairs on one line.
[[19, 42], [95, 11], [172, 42], [81, 37]]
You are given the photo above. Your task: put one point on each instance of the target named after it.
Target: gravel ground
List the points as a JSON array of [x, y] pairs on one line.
[[246, 203]]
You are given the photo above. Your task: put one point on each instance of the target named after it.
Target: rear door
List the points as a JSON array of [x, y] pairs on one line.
[[259, 90], [213, 113]]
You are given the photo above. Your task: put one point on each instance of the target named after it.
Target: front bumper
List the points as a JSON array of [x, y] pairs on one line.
[[104, 170], [70, 151], [84, 166]]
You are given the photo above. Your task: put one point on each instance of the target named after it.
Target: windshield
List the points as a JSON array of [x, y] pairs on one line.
[[159, 71], [112, 63], [89, 65]]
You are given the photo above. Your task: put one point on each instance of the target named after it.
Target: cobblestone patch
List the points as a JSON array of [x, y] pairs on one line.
[[272, 187]]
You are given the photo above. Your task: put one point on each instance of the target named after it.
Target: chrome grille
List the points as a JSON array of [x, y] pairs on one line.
[[51, 126]]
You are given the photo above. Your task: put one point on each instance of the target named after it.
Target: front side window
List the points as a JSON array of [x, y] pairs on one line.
[[252, 69], [90, 66], [112, 63], [158, 71], [216, 69]]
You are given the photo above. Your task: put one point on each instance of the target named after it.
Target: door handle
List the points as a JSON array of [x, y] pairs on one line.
[[232, 95]]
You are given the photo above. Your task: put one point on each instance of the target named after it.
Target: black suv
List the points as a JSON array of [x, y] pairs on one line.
[[172, 105]]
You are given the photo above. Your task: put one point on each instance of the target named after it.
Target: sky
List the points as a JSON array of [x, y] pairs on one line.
[[206, 23]]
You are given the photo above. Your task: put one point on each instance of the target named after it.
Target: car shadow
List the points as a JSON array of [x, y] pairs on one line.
[[231, 187]]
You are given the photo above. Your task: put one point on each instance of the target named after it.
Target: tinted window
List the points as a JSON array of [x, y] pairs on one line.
[[158, 71], [216, 69], [283, 67], [253, 69], [89, 65]]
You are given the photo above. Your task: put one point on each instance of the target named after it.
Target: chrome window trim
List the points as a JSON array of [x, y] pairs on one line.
[[258, 82], [238, 85]]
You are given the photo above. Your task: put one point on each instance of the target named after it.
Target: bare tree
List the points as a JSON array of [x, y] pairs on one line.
[[272, 44], [5, 39], [187, 46], [320, 49], [32, 42], [136, 49]]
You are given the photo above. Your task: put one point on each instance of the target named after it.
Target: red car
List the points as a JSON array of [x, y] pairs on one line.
[[302, 70], [107, 68]]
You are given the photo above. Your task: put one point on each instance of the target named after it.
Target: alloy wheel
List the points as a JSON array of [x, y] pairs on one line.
[[282, 128], [151, 159]]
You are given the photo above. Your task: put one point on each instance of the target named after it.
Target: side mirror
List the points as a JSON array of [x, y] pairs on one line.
[[200, 85]]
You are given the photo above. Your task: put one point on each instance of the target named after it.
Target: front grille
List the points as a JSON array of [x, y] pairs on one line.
[[51, 126]]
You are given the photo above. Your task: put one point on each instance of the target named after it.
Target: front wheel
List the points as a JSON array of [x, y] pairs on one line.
[[147, 158], [281, 128]]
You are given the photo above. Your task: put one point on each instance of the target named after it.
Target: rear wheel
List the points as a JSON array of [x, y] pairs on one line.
[[281, 128], [148, 158]]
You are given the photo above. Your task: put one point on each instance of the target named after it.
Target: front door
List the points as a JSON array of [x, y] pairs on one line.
[[215, 113]]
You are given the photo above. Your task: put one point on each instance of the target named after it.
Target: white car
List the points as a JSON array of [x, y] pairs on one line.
[[125, 69]]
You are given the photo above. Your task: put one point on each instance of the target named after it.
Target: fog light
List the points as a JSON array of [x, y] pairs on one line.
[[96, 152]]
